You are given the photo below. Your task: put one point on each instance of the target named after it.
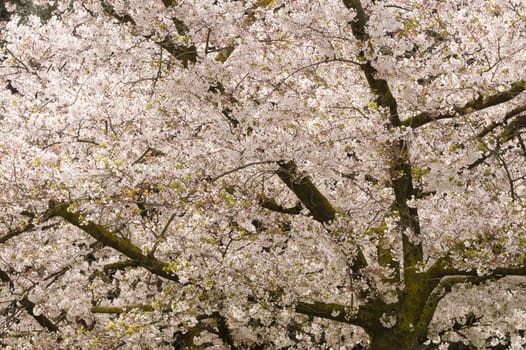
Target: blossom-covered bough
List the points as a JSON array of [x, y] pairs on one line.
[[263, 174]]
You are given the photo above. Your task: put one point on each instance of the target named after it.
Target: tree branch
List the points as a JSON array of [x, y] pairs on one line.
[[223, 329], [4, 277], [228, 172], [359, 22], [184, 54], [34, 220], [439, 292], [120, 265], [42, 320], [119, 309], [512, 128], [318, 205], [29, 306], [334, 312], [215, 323], [474, 105], [365, 317], [379, 87], [384, 251], [402, 180], [108, 238], [442, 268], [13, 233], [507, 117], [509, 132], [110, 11], [271, 204]]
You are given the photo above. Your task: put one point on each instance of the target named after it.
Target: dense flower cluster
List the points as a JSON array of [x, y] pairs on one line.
[[262, 173]]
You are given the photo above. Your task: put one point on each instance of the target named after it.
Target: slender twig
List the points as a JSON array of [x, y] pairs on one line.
[[228, 172]]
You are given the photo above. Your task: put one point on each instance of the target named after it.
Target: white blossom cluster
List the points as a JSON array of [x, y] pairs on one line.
[[145, 149]]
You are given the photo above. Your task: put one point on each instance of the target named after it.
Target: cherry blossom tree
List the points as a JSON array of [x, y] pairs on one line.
[[263, 174]]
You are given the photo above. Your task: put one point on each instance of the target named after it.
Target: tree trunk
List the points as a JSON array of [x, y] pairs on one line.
[[395, 339]]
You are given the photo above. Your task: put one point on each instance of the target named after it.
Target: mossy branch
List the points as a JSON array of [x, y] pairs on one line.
[[366, 316], [360, 21], [184, 54], [441, 288], [507, 116], [319, 206], [29, 306], [334, 312], [119, 309], [384, 252], [379, 87], [120, 265], [444, 268], [402, 181], [271, 204], [110, 239], [18, 231], [478, 104], [42, 320]]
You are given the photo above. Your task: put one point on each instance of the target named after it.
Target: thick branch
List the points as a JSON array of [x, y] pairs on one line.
[[359, 22], [484, 102], [13, 233], [438, 293], [29, 306], [119, 309], [120, 265], [472, 106], [402, 180], [507, 117], [42, 320], [271, 204], [319, 206], [4, 277], [367, 315], [498, 272], [108, 238], [224, 331], [443, 268], [379, 87], [184, 54], [384, 96], [512, 128], [334, 312], [384, 251]]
